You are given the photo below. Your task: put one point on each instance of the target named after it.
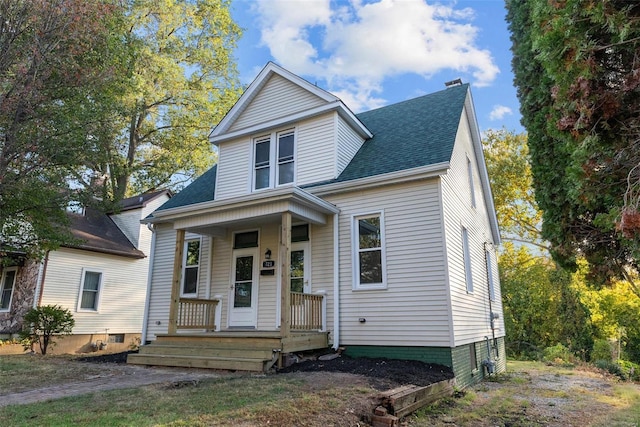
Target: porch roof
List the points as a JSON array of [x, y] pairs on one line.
[[214, 216]]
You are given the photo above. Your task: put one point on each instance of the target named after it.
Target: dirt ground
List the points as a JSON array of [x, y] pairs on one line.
[[381, 374]]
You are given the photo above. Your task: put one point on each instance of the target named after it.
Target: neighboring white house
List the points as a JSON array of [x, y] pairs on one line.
[[102, 280], [374, 231]]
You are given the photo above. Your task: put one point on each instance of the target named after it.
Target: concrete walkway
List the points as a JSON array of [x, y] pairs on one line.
[[126, 376]]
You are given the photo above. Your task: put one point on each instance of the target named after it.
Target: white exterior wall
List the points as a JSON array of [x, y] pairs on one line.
[[278, 98], [234, 168], [413, 309], [349, 142], [470, 311], [129, 223], [161, 276], [315, 159], [121, 299]]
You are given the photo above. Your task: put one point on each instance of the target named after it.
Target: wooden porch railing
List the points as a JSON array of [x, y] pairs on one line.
[[194, 313], [307, 311]]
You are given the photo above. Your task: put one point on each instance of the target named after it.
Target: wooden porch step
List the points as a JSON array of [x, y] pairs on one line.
[[225, 351], [240, 364], [249, 343]]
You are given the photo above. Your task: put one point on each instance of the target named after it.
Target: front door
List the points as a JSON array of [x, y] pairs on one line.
[[243, 300]]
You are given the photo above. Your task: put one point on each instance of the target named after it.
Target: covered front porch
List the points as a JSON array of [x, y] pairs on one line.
[[260, 304]]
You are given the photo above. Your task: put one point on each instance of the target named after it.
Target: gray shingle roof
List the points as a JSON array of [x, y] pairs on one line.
[[409, 134]]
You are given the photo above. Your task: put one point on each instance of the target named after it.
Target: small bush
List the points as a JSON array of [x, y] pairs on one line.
[[631, 370], [601, 350], [41, 324], [558, 355], [611, 367]]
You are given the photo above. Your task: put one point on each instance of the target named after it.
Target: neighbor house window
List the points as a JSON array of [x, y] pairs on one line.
[[492, 292], [6, 287], [368, 251], [90, 290], [191, 267], [467, 260], [274, 159]]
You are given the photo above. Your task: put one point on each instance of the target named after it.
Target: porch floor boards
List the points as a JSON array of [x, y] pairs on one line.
[[232, 350]]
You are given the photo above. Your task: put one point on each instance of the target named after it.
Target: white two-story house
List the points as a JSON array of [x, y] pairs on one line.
[[320, 228]]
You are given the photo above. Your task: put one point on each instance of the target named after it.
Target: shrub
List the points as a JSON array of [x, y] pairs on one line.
[[43, 323], [558, 355], [601, 350]]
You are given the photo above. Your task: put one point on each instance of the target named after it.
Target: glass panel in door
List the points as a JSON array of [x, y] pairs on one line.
[[297, 271], [243, 287]]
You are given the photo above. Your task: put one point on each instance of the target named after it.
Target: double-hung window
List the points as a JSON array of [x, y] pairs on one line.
[[369, 251], [90, 290], [6, 287], [274, 159], [466, 254], [191, 267]]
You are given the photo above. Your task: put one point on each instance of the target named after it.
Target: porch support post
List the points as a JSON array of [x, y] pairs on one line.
[[285, 275], [175, 284]]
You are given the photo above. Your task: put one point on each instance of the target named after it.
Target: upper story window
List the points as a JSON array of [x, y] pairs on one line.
[[274, 159], [466, 254], [369, 251], [6, 287], [471, 182], [191, 267]]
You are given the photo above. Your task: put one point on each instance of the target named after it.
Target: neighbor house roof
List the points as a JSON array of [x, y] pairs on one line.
[[409, 134], [141, 200], [97, 232]]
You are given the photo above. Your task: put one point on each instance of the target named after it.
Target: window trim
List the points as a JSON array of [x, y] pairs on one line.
[[185, 266], [274, 160], [355, 252], [86, 270], [13, 286], [466, 257]]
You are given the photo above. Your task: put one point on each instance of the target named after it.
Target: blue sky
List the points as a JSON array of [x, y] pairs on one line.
[[373, 53]]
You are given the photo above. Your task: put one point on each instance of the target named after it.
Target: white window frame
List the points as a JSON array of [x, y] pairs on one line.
[[466, 256], [274, 161], [471, 182], [98, 293], [492, 290], [185, 253], [355, 252], [13, 286]]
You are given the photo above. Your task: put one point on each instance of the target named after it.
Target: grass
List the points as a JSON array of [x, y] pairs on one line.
[[514, 398]]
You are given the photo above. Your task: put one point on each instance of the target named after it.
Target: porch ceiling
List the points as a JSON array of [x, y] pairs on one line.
[[213, 218]]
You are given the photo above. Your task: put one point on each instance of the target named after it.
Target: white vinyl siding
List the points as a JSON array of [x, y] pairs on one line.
[[234, 166], [466, 256], [470, 312], [316, 142], [278, 98], [129, 223], [413, 309], [349, 142], [122, 294]]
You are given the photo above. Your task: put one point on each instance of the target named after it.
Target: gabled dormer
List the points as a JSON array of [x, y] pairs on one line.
[[284, 131]]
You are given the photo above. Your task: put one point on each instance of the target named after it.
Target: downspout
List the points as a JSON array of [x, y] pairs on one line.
[[336, 283], [42, 272], [147, 299]]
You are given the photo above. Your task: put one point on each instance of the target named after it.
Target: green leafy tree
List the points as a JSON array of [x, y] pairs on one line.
[[43, 324], [578, 77], [507, 157], [180, 80], [55, 63]]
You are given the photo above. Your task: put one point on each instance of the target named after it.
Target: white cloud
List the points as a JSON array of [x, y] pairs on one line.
[[499, 111], [355, 45]]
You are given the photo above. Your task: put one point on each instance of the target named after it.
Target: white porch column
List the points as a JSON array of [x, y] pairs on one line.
[[175, 285], [285, 275]]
